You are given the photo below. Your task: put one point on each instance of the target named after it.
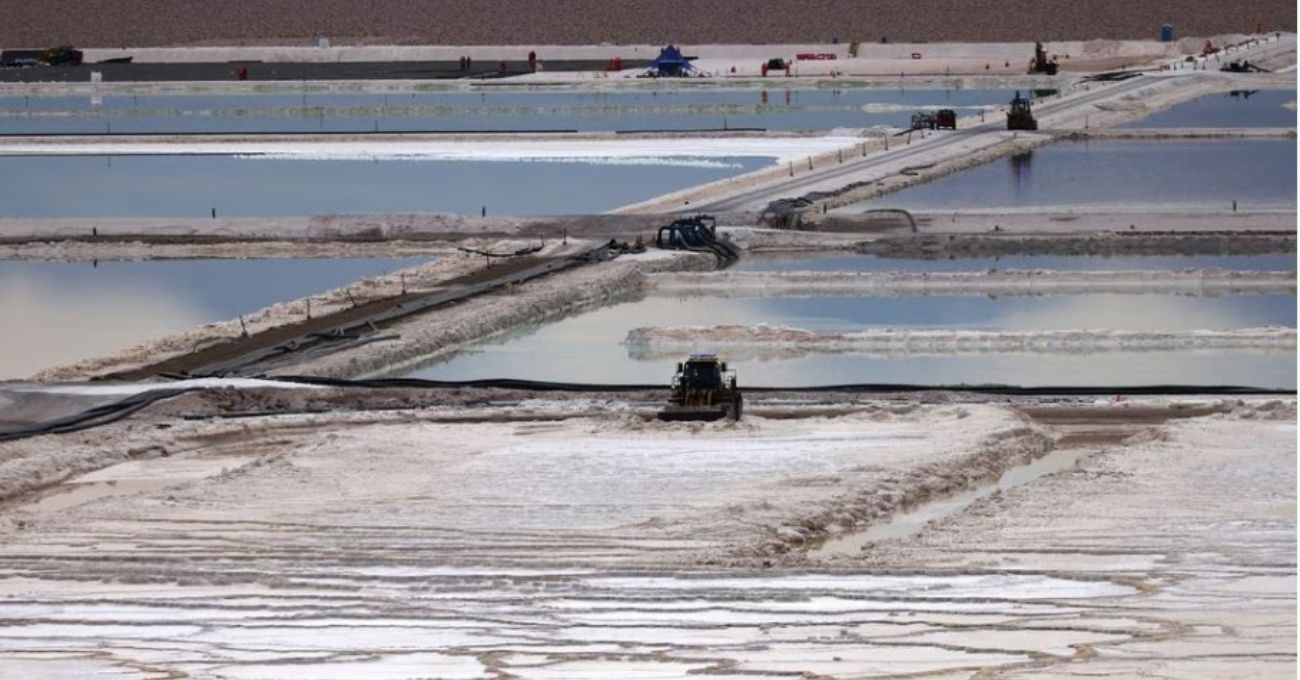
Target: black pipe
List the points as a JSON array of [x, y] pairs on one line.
[[109, 413], [857, 388]]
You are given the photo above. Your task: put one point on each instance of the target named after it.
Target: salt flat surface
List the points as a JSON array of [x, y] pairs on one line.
[[382, 546]]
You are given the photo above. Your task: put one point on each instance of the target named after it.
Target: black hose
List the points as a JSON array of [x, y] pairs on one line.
[[94, 417], [118, 410], [859, 388]]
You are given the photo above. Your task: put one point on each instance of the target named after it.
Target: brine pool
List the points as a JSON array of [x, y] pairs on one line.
[[589, 346], [60, 312], [774, 108], [194, 185], [1238, 108], [1172, 175]]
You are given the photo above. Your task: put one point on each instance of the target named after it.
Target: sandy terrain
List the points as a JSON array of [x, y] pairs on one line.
[[377, 543], [516, 22], [556, 63]]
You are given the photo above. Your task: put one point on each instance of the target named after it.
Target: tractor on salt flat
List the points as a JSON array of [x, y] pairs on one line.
[[703, 390]]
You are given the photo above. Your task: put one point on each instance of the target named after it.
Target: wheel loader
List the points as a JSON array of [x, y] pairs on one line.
[[703, 390]]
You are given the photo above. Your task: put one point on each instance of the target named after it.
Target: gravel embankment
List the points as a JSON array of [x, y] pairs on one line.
[[116, 23]]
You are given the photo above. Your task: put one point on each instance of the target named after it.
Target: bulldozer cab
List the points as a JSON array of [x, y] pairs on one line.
[[1020, 105], [703, 390], [1021, 116], [701, 372]]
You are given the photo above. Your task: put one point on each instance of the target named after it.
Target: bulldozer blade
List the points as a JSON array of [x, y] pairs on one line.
[[693, 415]]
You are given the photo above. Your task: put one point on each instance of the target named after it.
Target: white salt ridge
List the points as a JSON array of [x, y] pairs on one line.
[[670, 161], [906, 340], [1026, 282], [782, 149], [887, 107]]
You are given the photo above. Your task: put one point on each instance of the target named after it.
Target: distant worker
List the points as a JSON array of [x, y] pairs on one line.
[[242, 73], [532, 62]]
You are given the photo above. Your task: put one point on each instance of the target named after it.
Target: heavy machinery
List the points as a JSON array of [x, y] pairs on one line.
[[700, 234], [1041, 65], [63, 55], [671, 63], [1242, 66], [1021, 115], [54, 56], [943, 119], [703, 390]]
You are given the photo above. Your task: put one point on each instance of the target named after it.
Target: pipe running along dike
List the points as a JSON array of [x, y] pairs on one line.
[[251, 355]]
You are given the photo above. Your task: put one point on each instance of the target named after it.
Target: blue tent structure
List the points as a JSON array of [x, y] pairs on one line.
[[671, 63]]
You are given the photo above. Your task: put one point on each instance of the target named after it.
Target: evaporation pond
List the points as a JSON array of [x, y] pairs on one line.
[[60, 312], [643, 109], [588, 347], [193, 185], [1175, 175], [1239, 108]]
